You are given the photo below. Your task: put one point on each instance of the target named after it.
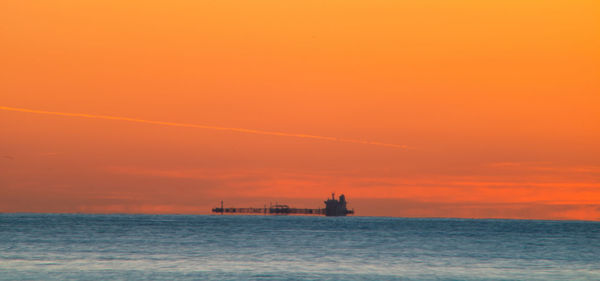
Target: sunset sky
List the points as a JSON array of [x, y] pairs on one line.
[[442, 108]]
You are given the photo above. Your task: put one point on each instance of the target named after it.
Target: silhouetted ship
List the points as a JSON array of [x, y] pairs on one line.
[[333, 208]]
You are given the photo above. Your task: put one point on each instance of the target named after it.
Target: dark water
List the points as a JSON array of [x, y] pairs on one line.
[[134, 247]]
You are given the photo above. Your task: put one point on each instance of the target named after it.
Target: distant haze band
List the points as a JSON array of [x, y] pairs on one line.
[[241, 130]]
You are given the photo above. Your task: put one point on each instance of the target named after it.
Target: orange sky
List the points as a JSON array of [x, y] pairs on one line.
[[486, 108]]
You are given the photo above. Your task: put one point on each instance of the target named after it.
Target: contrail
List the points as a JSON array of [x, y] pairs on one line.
[[241, 130]]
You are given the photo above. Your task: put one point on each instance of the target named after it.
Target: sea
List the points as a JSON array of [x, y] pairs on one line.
[[226, 247]]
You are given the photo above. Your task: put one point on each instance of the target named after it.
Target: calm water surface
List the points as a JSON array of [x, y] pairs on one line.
[[165, 247]]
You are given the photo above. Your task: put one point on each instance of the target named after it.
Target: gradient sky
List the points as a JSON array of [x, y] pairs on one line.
[[492, 107]]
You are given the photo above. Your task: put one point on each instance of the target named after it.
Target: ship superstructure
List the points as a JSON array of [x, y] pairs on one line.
[[336, 208]]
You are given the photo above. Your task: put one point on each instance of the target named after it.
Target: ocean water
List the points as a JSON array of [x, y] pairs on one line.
[[179, 247]]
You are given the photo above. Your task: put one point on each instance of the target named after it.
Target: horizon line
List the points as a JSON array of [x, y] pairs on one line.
[[307, 215]]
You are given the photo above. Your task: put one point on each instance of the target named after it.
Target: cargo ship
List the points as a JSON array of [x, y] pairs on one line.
[[333, 208]]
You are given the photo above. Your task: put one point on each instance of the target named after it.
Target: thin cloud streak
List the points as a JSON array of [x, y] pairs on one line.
[[208, 127]]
